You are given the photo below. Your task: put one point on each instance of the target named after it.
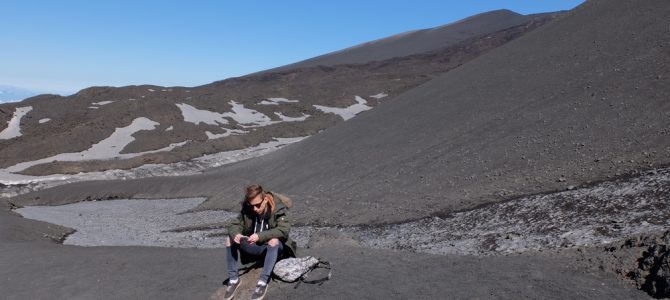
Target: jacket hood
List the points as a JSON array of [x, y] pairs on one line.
[[283, 199]]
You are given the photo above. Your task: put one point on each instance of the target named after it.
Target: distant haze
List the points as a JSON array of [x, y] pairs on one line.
[[14, 94]]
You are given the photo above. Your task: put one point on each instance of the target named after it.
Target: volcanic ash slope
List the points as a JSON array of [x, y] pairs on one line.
[[581, 99]]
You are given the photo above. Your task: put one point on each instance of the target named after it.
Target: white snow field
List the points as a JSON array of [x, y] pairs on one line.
[[245, 117], [292, 119], [379, 96], [102, 103], [194, 166], [197, 116], [276, 101], [106, 149], [347, 112], [14, 125], [229, 132]]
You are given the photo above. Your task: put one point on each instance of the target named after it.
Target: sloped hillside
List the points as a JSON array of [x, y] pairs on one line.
[[582, 99], [136, 125], [418, 41]]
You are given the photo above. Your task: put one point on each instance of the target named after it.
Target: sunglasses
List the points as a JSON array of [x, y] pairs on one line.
[[259, 203]]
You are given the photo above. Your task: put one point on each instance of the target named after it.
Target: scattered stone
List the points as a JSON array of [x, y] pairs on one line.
[[653, 275]]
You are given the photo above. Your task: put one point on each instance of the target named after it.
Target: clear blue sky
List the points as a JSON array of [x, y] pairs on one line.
[[64, 46]]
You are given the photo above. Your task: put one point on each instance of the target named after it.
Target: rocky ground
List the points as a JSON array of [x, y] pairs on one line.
[[541, 168], [592, 225], [642, 261], [159, 223], [35, 267], [586, 216], [591, 215]]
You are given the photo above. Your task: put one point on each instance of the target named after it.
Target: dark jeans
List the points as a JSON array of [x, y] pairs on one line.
[[271, 254]]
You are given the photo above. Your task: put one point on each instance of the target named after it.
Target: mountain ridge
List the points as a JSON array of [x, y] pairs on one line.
[[514, 121], [77, 122], [415, 41]]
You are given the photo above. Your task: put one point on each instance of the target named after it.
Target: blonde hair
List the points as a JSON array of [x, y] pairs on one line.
[[254, 190]]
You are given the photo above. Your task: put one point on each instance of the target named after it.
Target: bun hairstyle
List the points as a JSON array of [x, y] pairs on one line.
[[254, 190]]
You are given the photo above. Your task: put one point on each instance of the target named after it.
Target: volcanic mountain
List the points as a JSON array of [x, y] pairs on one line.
[[168, 124], [417, 41], [567, 104], [578, 105]]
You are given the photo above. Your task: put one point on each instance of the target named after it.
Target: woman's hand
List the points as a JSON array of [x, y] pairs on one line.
[[237, 238], [253, 238]]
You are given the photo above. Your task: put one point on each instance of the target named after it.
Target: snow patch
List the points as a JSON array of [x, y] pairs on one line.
[[106, 149], [42, 121], [197, 116], [379, 96], [247, 118], [229, 132], [347, 112], [19, 184], [102, 103], [93, 107], [291, 119], [243, 115], [14, 125], [276, 101], [169, 128], [223, 158]]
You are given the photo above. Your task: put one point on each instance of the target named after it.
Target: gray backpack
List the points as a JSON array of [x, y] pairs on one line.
[[294, 269]]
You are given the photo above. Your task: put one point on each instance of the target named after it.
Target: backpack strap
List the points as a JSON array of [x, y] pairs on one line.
[[322, 264]]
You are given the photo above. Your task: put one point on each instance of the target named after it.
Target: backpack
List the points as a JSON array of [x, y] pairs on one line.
[[294, 269]]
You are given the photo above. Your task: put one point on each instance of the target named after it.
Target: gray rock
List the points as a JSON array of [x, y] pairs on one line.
[[655, 266]]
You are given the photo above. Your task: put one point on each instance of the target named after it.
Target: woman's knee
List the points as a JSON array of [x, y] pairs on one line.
[[273, 242]]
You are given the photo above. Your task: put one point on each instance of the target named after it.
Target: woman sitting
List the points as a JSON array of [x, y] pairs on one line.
[[261, 232]]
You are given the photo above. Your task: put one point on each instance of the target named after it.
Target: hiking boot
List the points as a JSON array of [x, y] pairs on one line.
[[231, 288], [259, 292]]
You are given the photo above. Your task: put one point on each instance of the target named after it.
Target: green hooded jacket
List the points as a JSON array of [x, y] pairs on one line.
[[279, 225]]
